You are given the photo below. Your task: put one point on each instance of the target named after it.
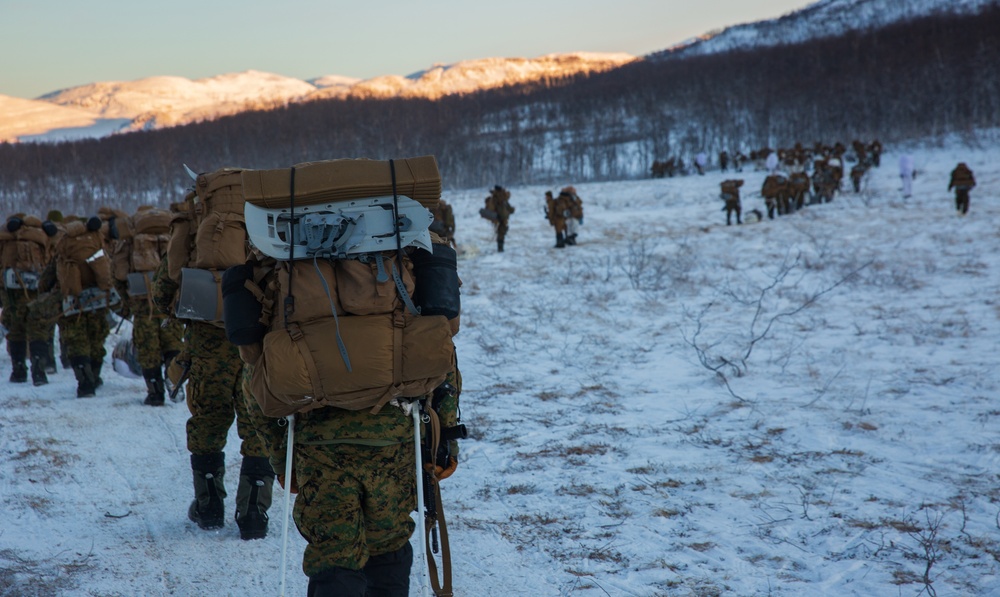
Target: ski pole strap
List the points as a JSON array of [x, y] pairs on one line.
[[440, 586]]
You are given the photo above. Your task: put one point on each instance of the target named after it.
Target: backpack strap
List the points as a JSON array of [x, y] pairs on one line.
[[295, 333], [400, 287]]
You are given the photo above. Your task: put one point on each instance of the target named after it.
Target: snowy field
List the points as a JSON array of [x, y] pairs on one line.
[[801, 406]]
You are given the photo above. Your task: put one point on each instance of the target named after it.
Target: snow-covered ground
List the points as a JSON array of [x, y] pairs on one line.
[[846, 446]]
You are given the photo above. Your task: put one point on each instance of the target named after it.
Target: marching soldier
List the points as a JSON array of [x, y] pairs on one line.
[[25, 243], [731, 196], [498, 210], [444, 222], [963, 181]]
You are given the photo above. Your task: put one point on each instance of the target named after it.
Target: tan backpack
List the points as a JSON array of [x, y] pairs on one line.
[[342, 333], [81, 261], [25, 248], [207, 236]]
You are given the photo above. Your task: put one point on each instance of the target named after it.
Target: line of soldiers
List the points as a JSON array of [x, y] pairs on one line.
[[68, 273], [785, 192]]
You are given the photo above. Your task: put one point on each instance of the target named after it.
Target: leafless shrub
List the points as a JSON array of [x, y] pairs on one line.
[[644, 269], [728, 357]]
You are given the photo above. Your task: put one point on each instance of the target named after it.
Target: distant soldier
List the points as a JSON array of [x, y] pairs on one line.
[[738, 160], [701, 162], [156, 338], [444, 222], [858, 172], [798, 184], [81, 275], [573, 207], [835, 166], [731, 195], [860, 152], [670, 167], [875, 149], [498, 210], [658, 169], [776, 194], [723, 160], [907, 174], [771, 162], [554, 213], [824, 182], [963, 181], [25, 250]]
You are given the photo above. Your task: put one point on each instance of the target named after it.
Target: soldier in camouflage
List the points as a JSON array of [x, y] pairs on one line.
[[498, 210], [25, 247], [215, 398], [444, 222], [354, 473], [82, 334]]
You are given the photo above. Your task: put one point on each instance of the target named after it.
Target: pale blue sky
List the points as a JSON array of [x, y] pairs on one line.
[[46, 45]]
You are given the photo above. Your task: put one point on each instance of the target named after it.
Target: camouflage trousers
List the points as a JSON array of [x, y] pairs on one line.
[[153, 338], [354, 502], [215, 394], [21, 326], [84, 334]]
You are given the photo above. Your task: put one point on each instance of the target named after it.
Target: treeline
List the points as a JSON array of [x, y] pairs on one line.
[[929, 77]]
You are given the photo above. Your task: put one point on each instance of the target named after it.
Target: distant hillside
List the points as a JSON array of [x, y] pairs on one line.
[[825, 18]]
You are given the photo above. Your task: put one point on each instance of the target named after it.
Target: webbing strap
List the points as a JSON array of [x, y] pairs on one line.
[[442, 586], [401, 288], [333, 310], [295, 332]]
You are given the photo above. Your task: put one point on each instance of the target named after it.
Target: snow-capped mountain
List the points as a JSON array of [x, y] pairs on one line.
[[22, 118], [825, 18], [474, 75], [157, 102], [102, 108]]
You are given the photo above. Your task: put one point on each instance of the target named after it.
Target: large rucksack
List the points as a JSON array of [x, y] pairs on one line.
[[207, 236], [83, 267], [337, 325], [25, 248], [137, 256]]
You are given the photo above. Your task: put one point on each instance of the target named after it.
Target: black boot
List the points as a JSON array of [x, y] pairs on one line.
[[95, 366], [207, 510], [39, 358], [155, 391], [388, 574], [84, 376], [560, 240], [499, 245], [570, 239], [253, 497], [18, 350], [337, 582]]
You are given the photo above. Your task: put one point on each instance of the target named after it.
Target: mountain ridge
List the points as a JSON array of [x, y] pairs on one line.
[[164, 101]]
